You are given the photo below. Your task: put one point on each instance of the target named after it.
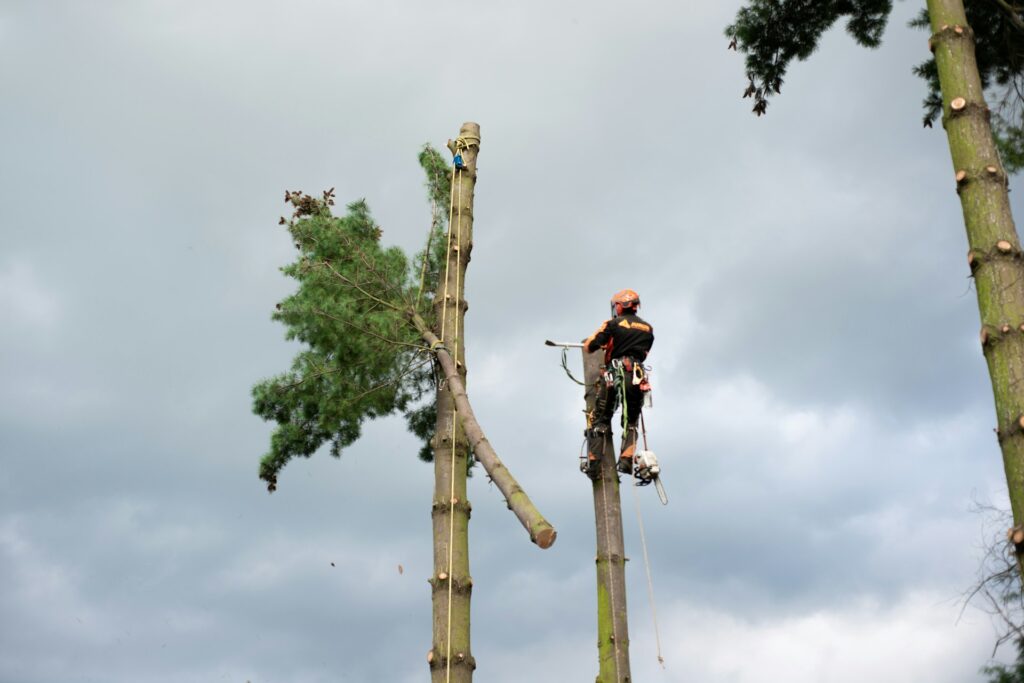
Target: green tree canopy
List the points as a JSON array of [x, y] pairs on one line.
[[772, 33], [361, 357]]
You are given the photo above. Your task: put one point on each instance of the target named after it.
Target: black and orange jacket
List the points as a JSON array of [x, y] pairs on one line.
[[624, 335]]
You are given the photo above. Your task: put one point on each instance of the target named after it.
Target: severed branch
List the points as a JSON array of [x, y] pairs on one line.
[[540, 530]]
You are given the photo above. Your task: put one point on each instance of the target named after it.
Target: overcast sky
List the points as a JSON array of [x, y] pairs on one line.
[[821, 404]]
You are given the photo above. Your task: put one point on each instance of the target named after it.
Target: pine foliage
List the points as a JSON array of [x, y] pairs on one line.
[[772, 33], [360, 358]]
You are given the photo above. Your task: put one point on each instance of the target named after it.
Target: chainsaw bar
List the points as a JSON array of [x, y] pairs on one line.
[[661, 491]]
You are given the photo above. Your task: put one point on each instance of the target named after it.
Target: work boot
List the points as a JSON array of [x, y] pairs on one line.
[[628, 449], [591, 466]]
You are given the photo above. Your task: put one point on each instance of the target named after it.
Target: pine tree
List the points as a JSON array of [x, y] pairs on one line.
[[379, 334]]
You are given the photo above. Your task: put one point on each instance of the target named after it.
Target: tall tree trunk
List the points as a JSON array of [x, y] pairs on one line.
[[612, 623], [450, 658], [995, 257]]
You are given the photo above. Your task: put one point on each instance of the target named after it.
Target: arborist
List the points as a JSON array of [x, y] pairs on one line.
[[626, 340]]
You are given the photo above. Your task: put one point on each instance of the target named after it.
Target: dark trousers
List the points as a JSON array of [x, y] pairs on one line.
[[609, 396]]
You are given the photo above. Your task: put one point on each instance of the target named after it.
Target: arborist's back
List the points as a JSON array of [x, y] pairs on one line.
[[626, 335]]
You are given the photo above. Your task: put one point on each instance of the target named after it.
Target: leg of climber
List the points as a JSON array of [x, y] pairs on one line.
[[626, 449], [600, 431], [630, 416], [597, 437]]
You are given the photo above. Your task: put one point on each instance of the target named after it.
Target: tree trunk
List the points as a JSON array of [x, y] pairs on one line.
[[995, 256], [456, 432], [450, 659], [540, 530], [612, 623]]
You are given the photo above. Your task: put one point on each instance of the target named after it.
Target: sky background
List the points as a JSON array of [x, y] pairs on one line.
[[821, 405]]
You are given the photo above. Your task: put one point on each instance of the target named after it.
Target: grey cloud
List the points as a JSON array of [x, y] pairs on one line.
[[820, 405]]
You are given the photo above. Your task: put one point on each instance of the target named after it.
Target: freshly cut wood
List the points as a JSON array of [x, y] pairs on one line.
[[958, 104]]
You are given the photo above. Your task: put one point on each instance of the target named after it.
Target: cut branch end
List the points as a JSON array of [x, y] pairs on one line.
[[546, 538]]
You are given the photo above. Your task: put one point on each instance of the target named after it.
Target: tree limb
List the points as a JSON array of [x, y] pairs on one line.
[[362, 291], [540, 530], [335, 318]]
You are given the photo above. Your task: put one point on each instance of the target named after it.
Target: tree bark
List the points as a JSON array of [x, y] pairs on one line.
[[612, 622], [450, 658], [995, 256]]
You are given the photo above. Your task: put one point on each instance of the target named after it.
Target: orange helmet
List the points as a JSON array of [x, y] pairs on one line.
[[625, 300]]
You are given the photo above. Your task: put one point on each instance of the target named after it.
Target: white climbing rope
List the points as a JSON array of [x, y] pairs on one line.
[[647, 561]]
